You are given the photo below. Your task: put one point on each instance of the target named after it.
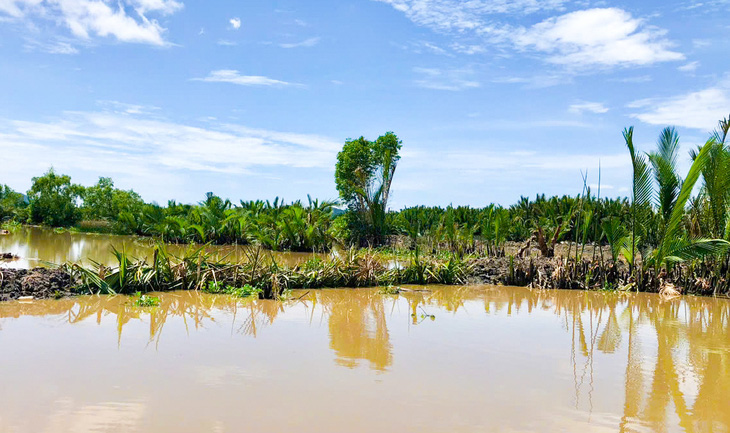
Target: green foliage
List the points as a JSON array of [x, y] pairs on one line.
[[247, 291], [671, 242], [641, 194], [105, 202], [389, 290], [363, 175], [674, 245], [258, 275], [53, 199], [11, 203], [714, 199], [146, 301]]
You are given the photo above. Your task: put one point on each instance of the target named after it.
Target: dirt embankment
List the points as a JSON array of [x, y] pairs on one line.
[[548, 273], [38, 283]]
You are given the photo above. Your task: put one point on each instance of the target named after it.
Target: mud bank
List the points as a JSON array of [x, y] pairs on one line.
[[38, 283]]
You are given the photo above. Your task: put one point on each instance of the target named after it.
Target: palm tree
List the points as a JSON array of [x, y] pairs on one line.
[[664, 162], [716, 181], [674, 245], [641, 193]]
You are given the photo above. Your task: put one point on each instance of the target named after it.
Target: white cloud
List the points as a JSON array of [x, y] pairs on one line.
[[87, 18], [689, 67], [18, 8], [597, 37], [700, 110], [234, 77], [163, 6], [226, 43], [130, 139], [438, 79], [591, 107], [235, 23], [307, 43]]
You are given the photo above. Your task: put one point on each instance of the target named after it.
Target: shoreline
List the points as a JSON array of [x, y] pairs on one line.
[[357, 270]]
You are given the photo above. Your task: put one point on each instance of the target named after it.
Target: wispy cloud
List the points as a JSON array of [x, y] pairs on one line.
[[88, 18], [590, 107], [234, 77], [53, 47], [449, 79], [307, 43], [235, 23], [539, 81], [636, 79], [525, 171], [471, 15], [589, 38], [689, 67], [469, 49], [226, 43], [700, 110], [128, 141]]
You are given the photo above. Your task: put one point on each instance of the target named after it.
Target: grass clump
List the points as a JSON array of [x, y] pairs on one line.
[[147, 301], [247, 291], [389, 290]]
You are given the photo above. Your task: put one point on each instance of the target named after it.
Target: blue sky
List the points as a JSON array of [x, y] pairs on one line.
[[253, 99]]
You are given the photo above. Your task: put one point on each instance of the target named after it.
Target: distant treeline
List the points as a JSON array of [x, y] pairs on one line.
[[55, 201]]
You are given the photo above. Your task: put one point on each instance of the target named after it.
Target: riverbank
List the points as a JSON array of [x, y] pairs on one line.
[[355, 269]]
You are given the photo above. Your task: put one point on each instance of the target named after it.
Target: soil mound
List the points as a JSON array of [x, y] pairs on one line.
[[38, 283]]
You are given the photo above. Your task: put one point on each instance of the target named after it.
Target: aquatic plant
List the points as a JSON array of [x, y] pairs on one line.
[[146, 301], [389, 290]]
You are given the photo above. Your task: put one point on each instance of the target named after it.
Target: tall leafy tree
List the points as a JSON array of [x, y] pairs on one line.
[[104, 201], [10, 202], [364, 174], [53, 200]]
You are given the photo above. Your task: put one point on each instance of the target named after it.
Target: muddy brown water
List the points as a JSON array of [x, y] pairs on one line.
[[37, 246], [452, 359]]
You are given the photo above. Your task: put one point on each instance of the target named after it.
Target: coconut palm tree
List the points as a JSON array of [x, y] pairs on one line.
[[716, 182], [641, 194]]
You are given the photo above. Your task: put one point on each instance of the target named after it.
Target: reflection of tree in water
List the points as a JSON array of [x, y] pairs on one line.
[[688, 379], [357, 327], [192, 307]]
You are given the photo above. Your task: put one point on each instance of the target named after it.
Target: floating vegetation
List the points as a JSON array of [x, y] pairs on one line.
[[247, 291], [389, 290], [146, 301]]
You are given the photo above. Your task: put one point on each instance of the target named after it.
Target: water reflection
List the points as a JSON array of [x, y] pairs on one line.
[[357, 328], [37, 246], [669, 360]]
